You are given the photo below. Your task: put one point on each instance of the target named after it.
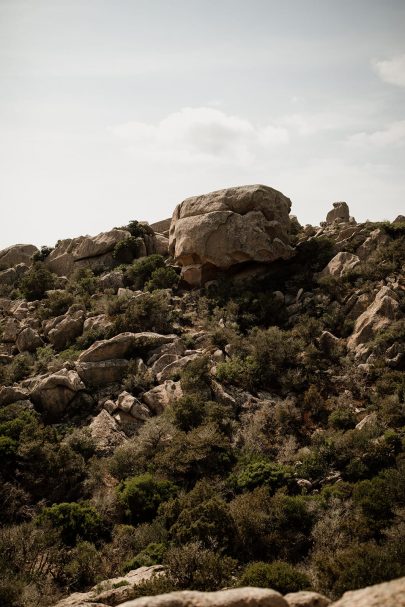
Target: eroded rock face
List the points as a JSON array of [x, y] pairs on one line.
[[235, 597], [339, 214], [378, 316], [53, 393], [227, 227], [305, 598], [92, 252], [388, 594], [341, 264], [106, 434], [123, 345], [16, 254]]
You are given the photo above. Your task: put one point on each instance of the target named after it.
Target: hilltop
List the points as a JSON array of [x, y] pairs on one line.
[[217, 398]]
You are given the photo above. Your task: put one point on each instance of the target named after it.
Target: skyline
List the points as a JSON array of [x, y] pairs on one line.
[[118, 111]]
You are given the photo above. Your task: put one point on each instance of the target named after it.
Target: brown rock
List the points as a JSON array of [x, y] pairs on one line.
[[11, 394], [388, 594], [18, 253], [227, 227], [66, 330], [53, 393], [341, 264], [306, 598], [376, 239], [28, 340], [378, 316], [162, 396], [11, 330], [102, 372], [339, 214], [106, 434], [235, 597], [123, 345]]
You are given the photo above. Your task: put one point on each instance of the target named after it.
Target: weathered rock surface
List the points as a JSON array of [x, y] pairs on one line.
[[123, 345], [113, 591], [376, 239], [339, 214], [106, 434], [28, 340], [92, 252], [306, 598], [53, 393], [162, 396], [388, 594], [341, 264], [235, 597], [66, 329], [378, 316], [11, 394], [16, 254], [103, 372], [227, 227]]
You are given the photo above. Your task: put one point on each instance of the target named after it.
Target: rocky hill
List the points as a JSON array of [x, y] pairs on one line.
[[216, 400]]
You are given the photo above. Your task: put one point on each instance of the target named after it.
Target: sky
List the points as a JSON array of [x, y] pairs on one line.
[[113, 110]]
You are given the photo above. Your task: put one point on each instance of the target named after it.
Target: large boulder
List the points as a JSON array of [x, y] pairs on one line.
[[106, 434], [378, 316], [162, 396], [388, 594], [306, 598], [339, 214], [68, 327], [341, 264], [227, 227], [54, 393], [28, 340], [234, 597], [16, 254], [102, 372], [123, 345], [93, 252]]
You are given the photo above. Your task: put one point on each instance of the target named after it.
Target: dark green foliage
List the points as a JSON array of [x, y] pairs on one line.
[[140, 272], [153, 554], [162, 278], [36, 282], [279, 575], [74, 522], [198, 568], [142, 495], [126, 250], [42, 254], [342, 418], [151, 312], [137, 229], [260, 472]]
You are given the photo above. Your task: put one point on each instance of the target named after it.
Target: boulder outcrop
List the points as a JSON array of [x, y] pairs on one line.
[[123, 345], [378, 316], [339, 214], [388, 594], [16, 254], [227, 227], [341, 264], [53, 393], [234, 597]]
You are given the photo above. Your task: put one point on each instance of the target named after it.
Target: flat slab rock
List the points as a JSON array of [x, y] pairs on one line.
[[235, 597]]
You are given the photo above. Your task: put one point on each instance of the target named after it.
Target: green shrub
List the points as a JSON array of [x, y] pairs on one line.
[[151, 312], [197, 568], [74, 522], [342, 418], [162, 278], [140, 272], [142, 495], [127, 249], [261, 472], [36, 282], [152, 555], [279, 575]]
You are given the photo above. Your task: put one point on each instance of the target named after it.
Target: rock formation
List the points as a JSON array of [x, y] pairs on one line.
[[339, 214], [228, 227]]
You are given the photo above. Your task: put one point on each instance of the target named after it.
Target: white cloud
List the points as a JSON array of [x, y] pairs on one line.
[[393, 134], [391, 70], [203, 133]]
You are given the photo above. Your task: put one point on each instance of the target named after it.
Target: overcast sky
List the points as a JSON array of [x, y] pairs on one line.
[[112, 110]]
